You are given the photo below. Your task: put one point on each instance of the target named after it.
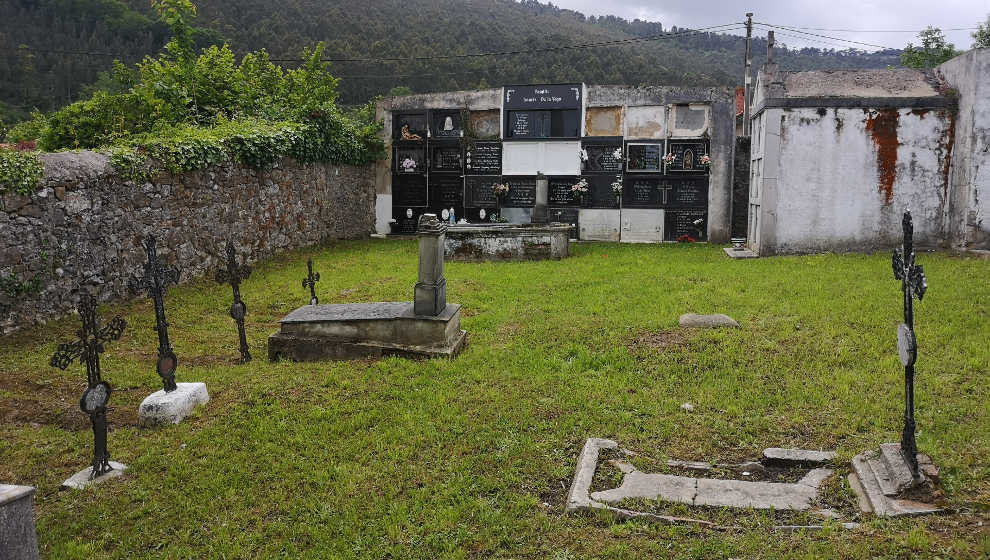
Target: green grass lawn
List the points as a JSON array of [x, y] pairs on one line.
[[471, 458]]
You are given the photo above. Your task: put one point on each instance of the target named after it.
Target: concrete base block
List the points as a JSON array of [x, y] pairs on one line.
[[739, 253], [783, 457], [18, 535], [351, 331], [693, 320], [170, 408], [84, 478], [878, 487]]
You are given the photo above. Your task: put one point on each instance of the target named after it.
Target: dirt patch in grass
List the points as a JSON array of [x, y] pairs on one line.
[[53, 403], [607, 475], [657, 341]]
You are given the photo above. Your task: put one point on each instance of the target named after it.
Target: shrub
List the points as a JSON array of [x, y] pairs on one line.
[[20, 171]]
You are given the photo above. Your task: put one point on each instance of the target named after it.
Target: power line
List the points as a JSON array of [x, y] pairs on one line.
[[874, 30], [826, 36]]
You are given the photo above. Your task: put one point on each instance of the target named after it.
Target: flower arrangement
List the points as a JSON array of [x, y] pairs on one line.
[[580, 188], [501, 189], [498, 219], [617, 154], [617, 186], [584, 154], [686, 239], [669, 158], [408, 164], [705, 161]]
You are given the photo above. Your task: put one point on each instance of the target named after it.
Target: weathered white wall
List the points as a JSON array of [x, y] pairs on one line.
[[845, 177], [549, 158], [969, 75]]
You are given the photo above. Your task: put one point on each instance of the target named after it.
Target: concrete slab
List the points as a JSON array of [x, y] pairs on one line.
[[638, 484], [18, 534], [877, 492], [577, 496], [898, 467], [84, 478], [740, 253], [161, 408], [693, 320], [756, 495], [783, 457]]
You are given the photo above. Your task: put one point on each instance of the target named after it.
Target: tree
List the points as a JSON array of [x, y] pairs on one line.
[[981, 37], [934, 50]]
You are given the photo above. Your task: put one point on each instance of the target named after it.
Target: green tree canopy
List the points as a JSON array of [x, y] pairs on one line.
[[981, 37], [934, 50]]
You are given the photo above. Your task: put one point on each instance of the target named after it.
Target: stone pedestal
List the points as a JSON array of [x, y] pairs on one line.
[[882, 480], [18, 537], [431, 290], [85, 478], [170, 408]]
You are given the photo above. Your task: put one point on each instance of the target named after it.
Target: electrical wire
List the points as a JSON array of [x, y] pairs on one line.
[[885, 47]]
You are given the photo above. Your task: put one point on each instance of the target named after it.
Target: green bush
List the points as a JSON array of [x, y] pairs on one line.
[[20, 171], [26, 131]]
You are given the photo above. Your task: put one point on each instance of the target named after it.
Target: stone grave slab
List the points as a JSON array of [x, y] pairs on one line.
[[741, 253], [693, 320], [85, 478], [778, 456], [161, 408]]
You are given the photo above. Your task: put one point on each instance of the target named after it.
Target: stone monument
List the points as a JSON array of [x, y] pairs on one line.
[[18, 536], [895, 480], [176, 400], [426, 327]]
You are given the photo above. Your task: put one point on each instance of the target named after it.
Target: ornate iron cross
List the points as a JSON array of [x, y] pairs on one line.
[[155, 281], [913, 284], [233, 275], [310, 282], [88, 348]]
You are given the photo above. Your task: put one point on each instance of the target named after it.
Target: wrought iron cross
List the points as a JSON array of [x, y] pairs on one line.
[[310, 282], [913, 284], [155, 281], [233, 275], [88, 348]]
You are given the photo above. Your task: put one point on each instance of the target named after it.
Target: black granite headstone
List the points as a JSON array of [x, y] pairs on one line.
[[565, 216], [528, 124], [446, 124], [406, 219], [687, 156], [688, 192], [478, 191], [483, 158], [522, 192], [408, 160], [600, 193], [645, 157], [556, 96], [601, 156], [409, 190], [445, 157], [678, 223], [642, 191], [560, 193], [446, 192]]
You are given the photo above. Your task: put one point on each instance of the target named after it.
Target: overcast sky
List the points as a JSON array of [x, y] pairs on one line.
[[855, 15]]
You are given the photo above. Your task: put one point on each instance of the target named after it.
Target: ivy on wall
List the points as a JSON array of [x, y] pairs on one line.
[[20, 171]]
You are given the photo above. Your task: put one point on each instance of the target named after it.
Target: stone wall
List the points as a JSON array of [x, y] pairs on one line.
[[83, 208]]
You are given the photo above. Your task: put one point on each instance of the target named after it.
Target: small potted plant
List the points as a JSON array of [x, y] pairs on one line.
[[669, 159], [617, 189], [500, 190], [408, 165], [705, 161], [579, 190]]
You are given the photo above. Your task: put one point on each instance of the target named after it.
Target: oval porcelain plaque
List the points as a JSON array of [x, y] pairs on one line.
[[907, 345], [95, 398]]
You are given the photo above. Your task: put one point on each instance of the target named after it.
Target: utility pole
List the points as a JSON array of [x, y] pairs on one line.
[[746, 78]]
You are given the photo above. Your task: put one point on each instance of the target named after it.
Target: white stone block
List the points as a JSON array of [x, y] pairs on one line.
[[170, 408], [598, 225], [84, 478]]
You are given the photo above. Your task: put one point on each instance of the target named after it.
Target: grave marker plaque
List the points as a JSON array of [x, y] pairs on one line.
[[556, 96], [446, 124], [566, 216], [409, 160], [600, 193], [522, 192], [677, 223], [446, 192], [483, 158], [687, 156], [409, 190], [560, 193], [406, 219], [601, 157], [445, 157], [645, 157], [642, 191], [687, 192], [407, 126], [478, 191], [528, 124]]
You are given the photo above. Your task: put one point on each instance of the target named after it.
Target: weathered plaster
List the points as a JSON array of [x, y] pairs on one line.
[[604, 121]]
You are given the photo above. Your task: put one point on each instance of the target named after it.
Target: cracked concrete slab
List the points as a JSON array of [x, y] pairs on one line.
[[756, 495], [638, 484]]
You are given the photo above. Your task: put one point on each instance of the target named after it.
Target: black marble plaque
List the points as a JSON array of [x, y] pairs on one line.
[[601, 158], [404, 154], [600, 193], [406, 219], [677, 223], [560, 193], [446, 190], [483, 158], [522, 192], [415, 121], [446, 124], [645, 157], [557, 96], [528, 124], [565, 216], [477, 215], [445, 157], [641, 191], [688, 192], [687, 156], [478, 191], [408, 190]]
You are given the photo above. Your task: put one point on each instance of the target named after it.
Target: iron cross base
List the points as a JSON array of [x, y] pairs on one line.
[[884, 485]]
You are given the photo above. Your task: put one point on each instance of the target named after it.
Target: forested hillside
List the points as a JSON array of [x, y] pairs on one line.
[[51, 49]]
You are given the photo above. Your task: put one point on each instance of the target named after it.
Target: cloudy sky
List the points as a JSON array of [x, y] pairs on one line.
[[862, 17]]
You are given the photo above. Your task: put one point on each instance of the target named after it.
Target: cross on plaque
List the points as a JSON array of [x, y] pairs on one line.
[[664, 188], [913, 284], [233, 275], [155, 281], [310, 282], [88, 348]]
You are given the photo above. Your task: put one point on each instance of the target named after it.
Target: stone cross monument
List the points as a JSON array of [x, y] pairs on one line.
[[431, 290]]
